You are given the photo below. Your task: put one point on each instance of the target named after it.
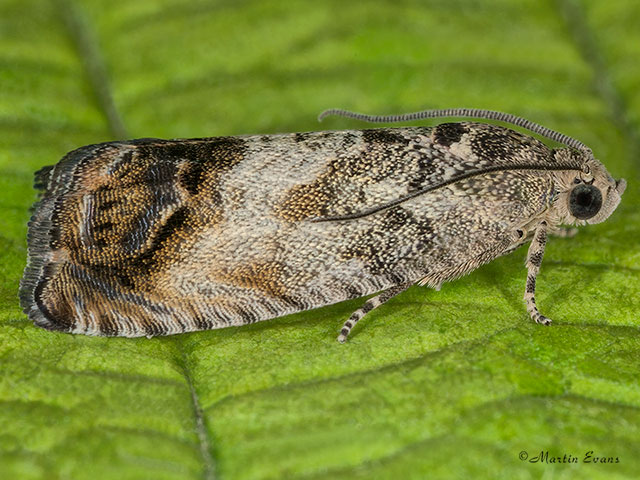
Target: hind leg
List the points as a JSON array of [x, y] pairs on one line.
[[368, 306]]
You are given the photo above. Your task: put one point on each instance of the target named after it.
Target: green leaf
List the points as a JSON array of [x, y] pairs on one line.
[[449, 384]]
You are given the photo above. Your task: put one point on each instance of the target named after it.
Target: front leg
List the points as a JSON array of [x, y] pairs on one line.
[[534, 260]]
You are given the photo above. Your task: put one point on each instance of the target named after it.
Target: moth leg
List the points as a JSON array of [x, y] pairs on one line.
[[368, 306], [563, 232], [534, 260]]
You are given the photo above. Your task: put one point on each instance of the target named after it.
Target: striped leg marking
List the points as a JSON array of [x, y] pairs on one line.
[[368, 306], [534, 260]]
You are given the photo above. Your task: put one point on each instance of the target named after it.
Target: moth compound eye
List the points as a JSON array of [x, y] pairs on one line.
[[585, 201]]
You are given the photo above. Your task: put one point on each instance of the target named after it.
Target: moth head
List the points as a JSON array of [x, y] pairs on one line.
[[589, 195]]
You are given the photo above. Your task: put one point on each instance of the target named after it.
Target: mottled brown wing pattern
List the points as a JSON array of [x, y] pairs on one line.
[[154, 237]]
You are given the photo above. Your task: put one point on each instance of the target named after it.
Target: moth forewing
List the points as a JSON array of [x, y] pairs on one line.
[[156, 237]]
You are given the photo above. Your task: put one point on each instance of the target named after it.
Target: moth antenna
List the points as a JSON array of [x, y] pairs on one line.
[[462, 112], [422, 191]]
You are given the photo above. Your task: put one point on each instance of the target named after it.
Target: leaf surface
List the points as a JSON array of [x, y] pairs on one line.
[[449, 384]]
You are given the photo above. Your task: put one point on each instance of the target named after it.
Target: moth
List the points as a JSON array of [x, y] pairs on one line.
[[157, 237]]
